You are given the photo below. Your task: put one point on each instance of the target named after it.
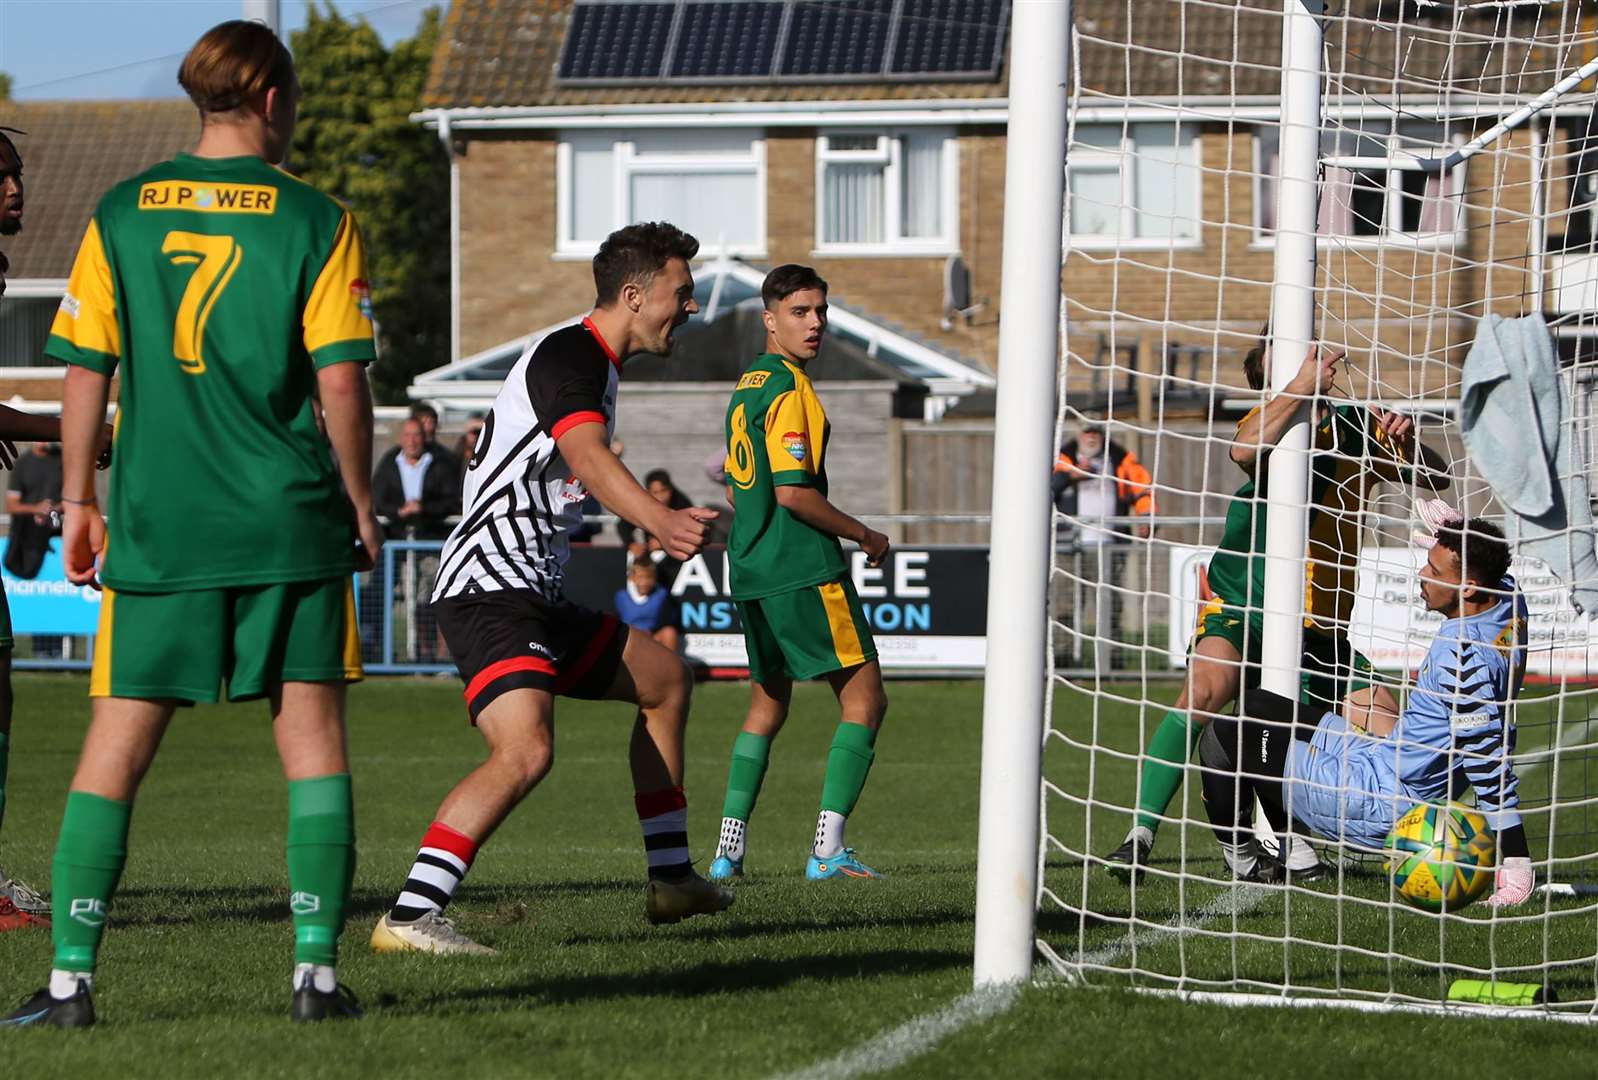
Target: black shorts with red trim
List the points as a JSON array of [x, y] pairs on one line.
[[515, 639]]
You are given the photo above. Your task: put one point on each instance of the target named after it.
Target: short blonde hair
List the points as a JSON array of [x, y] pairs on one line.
[[232, 63]]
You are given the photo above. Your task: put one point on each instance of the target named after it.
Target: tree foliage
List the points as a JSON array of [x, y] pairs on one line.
[[356, 142], [5, 87]]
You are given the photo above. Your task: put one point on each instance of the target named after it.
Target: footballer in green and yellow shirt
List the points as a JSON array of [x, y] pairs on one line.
[[801, 616], [228, 298]]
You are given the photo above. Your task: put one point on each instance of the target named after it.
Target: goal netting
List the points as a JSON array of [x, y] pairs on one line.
[[1432, 216]]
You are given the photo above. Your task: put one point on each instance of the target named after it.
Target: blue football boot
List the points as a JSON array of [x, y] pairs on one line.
[[724, 869], [843, 864]]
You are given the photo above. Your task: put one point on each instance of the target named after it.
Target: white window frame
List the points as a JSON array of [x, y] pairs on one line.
[[889, 154], [626, 162], [1079, 156], [1442, 239]]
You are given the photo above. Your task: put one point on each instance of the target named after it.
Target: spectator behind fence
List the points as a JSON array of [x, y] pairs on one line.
[[640, 545], [466, 445], [427, 416], [34, 503], [413, 490], [1093, 481], [647, 604]]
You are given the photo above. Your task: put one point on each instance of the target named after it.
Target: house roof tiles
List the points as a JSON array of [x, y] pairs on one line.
[[75, 151], [505, 53]]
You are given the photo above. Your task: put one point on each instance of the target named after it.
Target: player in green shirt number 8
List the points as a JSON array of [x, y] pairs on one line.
[[790, 580]]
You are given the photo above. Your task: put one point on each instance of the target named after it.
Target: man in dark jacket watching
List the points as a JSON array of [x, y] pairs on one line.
[[415, 492]]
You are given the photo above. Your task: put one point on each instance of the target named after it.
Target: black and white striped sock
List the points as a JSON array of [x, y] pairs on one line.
[[442, 862], [663, 816]]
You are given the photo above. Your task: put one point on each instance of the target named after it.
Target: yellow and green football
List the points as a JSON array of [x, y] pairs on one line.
[[1441, 858]]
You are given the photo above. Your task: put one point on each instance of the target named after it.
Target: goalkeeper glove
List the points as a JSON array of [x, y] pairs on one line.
[[1515, 879]]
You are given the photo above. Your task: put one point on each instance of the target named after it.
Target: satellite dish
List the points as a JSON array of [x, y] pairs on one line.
[[957, 301]]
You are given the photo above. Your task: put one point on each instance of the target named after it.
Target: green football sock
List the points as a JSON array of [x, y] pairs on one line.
[[1168, 754], [321, 856], [750, 755], [848, 762], [89, 856], [5, 759]]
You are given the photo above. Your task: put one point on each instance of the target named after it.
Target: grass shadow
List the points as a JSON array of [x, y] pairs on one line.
[[699, 981]]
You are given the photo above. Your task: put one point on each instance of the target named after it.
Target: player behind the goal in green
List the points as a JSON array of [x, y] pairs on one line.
[[1354, 449], [227, 296], [796, 599]]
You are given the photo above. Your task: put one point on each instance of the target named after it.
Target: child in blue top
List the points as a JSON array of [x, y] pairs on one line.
[[647, 604]]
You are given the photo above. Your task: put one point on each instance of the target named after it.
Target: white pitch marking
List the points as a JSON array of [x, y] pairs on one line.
[[911, 1039], [1235, 901], [916, 1037]]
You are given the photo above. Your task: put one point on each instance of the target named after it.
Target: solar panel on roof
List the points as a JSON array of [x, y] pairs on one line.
[[616, 41], [949, 37], [727, 40], [826, 37]]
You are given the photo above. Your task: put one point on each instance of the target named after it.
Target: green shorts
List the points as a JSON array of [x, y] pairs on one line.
[[1331, 668], [806, 633], [184, 645]]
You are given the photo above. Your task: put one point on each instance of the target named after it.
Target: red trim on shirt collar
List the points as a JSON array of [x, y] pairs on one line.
[[588, 324]]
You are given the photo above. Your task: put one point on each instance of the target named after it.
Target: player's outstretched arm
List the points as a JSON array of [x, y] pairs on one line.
[[811, 507], [18, 426], [586, 449], [84, 394], [1264, 428], [347, 408]]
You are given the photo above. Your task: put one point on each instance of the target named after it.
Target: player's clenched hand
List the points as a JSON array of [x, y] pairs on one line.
[[82, 541], [683, 532], [875, 545]]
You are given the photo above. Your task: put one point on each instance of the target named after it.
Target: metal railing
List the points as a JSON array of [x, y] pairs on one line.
[[401, 583]]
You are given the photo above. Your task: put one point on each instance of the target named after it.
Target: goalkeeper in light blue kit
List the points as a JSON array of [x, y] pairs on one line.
[[1350, 775]]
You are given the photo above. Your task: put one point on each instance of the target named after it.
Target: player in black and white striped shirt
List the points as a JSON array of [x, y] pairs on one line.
[[516, 641]]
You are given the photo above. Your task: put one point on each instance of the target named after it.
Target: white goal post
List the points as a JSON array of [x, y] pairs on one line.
[[1018, 577], [1395, 175]]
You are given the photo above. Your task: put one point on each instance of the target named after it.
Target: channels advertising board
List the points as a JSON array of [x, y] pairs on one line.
[[48, 603]]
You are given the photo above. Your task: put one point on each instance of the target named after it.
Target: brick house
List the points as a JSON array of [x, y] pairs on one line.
[[811, 132], [879, 181]]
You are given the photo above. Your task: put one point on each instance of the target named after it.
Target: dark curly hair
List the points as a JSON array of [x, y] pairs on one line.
[[1481, 549], [636, 254]]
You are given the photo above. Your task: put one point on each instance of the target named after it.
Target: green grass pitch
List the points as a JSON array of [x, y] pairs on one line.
[[194, 974]]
